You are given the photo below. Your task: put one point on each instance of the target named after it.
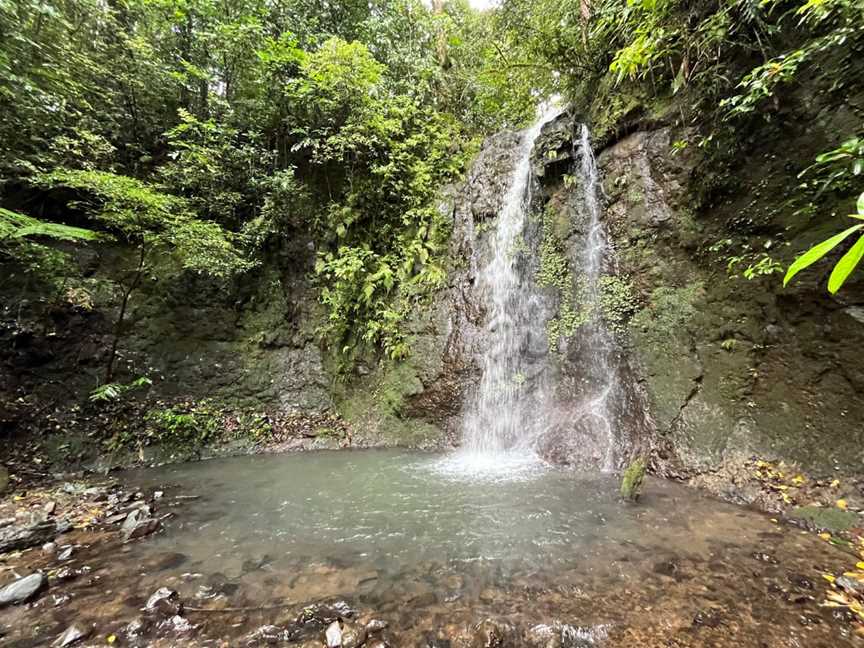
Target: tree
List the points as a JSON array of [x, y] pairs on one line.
[[164, 234]]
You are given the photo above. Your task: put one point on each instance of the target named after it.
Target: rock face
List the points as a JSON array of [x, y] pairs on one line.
[[733, 367]]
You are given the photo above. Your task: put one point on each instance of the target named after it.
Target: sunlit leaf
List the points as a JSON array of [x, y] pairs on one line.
[[818, 251], [845, 266]]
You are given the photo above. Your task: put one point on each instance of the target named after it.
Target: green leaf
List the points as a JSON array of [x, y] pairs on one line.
[[845, 266], [815, 253], [861, 203]]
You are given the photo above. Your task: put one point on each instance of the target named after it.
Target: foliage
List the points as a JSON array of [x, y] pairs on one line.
[[195, 425], [254, 123], [19, 236], [845, 265], [115, 391]]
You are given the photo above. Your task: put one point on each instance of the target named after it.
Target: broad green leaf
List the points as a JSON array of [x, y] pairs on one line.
[[815, 253], [861, 203], [845, 266]]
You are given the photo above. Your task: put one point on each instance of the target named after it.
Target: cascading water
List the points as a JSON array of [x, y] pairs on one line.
[[522, 408], [602, 382], [501, 424]]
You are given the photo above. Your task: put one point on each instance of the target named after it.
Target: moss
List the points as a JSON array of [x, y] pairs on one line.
[[825, 519], [617, 302], [670, 310], [631, 480]]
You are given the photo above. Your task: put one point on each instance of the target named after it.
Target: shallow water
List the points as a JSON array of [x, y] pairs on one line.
[[434, 545]]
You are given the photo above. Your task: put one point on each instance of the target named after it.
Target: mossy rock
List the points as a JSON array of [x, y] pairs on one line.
[[631, 480], [821, 518]]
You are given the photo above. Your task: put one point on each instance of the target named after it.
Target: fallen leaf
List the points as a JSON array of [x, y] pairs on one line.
[[841, 504], [825, 536]]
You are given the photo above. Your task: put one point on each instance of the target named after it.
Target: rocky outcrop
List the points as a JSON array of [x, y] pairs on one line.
[[733, 367]]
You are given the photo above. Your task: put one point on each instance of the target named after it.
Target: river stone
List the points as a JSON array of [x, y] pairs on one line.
[[490, 634], [333, 635], [164, 601], [138, 524], [15, 538], [375, 625], [23, 589], [73, 634]]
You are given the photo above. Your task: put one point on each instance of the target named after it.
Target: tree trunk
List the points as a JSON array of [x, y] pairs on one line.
[[118, 325], [441, 41]]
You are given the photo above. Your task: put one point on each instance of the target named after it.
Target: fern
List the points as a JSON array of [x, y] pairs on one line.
[[17, 226]]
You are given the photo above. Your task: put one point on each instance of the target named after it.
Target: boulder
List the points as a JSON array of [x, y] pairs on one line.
[[15, 538], [23, 589]]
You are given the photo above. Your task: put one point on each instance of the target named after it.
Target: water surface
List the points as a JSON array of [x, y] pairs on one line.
[[435, 544]]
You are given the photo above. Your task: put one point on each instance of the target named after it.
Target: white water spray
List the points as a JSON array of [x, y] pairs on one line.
[[502, 422]]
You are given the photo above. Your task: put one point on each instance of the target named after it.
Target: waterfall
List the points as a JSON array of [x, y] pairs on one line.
[[601, 383], [502, 422], [577, 403]]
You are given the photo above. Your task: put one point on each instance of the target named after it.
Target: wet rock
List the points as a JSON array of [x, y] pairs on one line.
[[49, 507], [375, 625], [631, 480], [323, 614], [66, 553], [139, 524], [377, 643], [15, 538], [136, 628], [333, 635], [850, 584], [490, 634], [68, 573], [49, 548], [169, 560], [178, 625], [164, 601], [269, 634], [60, 599], [23, 589], [712, 618], [352, 635], [72, 635]]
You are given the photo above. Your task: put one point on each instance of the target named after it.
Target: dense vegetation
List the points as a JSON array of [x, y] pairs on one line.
[[200, 133], [165, 123]]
